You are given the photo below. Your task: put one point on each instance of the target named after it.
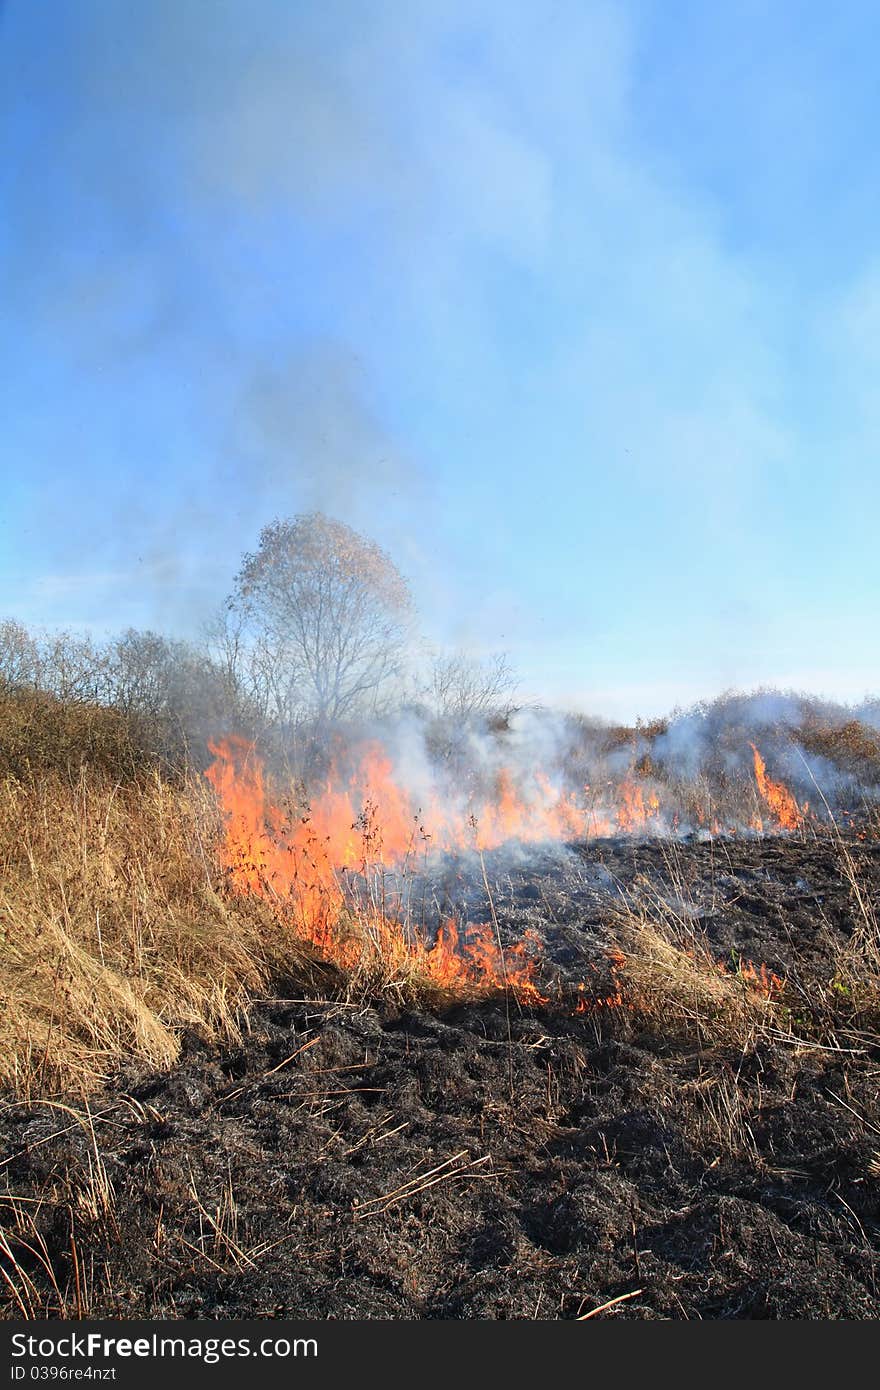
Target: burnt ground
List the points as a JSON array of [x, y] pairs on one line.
[[486, 1161]]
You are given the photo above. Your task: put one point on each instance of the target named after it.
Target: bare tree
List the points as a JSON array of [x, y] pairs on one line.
[[140, 666], [463, 687], [20, 660], [73, 666], [65, 664], [319, 619], [237, 659], [175, 683]]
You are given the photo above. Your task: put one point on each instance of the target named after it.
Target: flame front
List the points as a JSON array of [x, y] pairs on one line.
[[300, 863], [779, 799], [359, 826]]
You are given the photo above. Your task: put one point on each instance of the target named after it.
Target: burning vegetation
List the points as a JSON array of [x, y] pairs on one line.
[[345, 868], [338, 823], [299, 932]]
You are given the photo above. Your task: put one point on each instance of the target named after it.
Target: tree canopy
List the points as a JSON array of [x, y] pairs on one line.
[[322, 614]]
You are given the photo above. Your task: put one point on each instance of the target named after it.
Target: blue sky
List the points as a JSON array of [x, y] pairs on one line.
[[574, 307]]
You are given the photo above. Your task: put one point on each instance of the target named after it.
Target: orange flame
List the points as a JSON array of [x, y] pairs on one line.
[[592, 1003], [359, 826], [300, 863], [777, 796], [529, 809], [762, 980], [636, 810]]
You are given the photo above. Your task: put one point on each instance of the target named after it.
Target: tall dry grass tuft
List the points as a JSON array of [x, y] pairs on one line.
[[114, 928], [855, 988], [670, 982]]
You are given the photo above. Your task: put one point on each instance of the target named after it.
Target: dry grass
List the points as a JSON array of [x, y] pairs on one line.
[[39, 734], [854, 989], [670, 982], [119, 928], [856, 983], [115, 929], [35, 1287], [52, 1277]]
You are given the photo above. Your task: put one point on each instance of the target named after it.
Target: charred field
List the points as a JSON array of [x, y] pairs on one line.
[[439, 669], [685, 1125]]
